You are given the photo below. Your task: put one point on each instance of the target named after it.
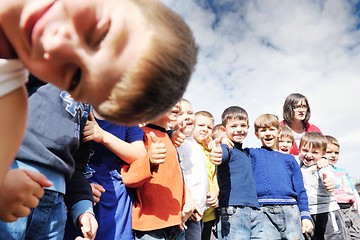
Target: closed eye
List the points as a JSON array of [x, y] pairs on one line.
[[102, 29]]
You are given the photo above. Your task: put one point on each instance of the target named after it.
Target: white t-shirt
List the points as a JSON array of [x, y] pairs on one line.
[[12, 75]]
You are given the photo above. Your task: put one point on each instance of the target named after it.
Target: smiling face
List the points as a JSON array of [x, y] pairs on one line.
[[68, 42], [203, 129], [285, 144], [187, 117], [332, 153], [236, 130], [310, 154], [268, 136]]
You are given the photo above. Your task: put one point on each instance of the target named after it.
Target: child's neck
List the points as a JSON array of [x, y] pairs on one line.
[[161, 123]]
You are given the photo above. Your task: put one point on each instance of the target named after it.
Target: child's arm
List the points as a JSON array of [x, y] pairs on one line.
[[129, 152], [21, 191], [13, 114]]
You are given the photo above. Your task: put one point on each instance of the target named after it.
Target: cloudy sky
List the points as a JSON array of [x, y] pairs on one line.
[[255, 53]]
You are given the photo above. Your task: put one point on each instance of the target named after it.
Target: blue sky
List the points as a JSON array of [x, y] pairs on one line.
[[255, 53]]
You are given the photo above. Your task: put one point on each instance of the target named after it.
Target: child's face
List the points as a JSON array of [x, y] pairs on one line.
[[236, 130], [203, 129], [300, 110], [285, 144], [83, 46], [173, 115], [332, 153], [187, 117], [310, 155], [268, 137]]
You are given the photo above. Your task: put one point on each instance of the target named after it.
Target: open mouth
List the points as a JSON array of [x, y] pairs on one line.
[[34, 17]]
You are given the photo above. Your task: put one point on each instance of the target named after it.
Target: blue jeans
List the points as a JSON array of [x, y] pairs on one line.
[[282, 222], [237, 223], [169, 233], [46, 221]]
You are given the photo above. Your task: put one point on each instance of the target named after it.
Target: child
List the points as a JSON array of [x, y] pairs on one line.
[[328, 221], [53, 146], [279, 183], [113, 145], [345, 192], [240, 215], [204, 123], [91, 49], [160, 198], [286, 139], [193, 161]]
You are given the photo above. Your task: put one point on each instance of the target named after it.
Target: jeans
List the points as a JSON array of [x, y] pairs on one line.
[[45, 222], [169, 233], [237, 223], [282, 222]]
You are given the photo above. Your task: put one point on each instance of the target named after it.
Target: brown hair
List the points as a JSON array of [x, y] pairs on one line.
[[288, 108], [162, 74], [266, 120], [232, 113], [285, 131], [315, 140]]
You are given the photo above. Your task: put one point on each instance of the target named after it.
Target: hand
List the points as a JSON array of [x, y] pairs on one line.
[[328, 182], [21, 191], [197, 213], [88, 226], [178, 136], [323, 162], [92, 130], [216, 153], [306, 226], [97, 191], [157, 151], [212, 200], [228, 142]]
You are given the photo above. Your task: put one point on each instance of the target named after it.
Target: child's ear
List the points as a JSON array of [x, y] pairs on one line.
[[256, 134], [222, 128]]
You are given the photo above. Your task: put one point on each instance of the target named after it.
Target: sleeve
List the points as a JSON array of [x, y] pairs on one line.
[[139, 171], [133, 134], [298, 183], [225, 153], [78, 197], [12, 75]]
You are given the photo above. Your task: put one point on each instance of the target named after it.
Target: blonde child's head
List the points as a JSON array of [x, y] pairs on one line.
[[267, 130], [286, 139], [204, 124], [332, 149]]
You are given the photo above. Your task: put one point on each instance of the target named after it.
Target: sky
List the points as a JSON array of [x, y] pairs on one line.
[[254, 54]]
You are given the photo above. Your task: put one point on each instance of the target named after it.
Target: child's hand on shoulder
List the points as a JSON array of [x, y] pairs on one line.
[[322, 163], [157, 150], [227, 142]]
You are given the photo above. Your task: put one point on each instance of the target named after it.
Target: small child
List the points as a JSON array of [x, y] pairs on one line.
[[286, 139], [240, 215], [279, 183], [324, 210], [345, 192]]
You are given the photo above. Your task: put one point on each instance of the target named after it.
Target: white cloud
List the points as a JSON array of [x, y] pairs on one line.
[[255, 53]]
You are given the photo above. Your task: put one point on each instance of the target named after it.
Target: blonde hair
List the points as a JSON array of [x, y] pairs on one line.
[[205, 114], [315, 140], [285, 132], [266, 120], [332, 140], [162, 74]]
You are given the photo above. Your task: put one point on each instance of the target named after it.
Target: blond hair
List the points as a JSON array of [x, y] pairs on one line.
[[315, 140], [205, 114], [162, 74], [332, 140], [285, 132], [266, 120]]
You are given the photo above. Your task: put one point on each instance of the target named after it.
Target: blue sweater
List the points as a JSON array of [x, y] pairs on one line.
[[236, 179], [278, 179]]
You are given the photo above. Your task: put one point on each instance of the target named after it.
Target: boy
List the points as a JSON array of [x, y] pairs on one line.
[[160, 197], [236, 182], [286, 139], [345, 192], [53, 146], [130, 59], [328, 221], [279, 183]]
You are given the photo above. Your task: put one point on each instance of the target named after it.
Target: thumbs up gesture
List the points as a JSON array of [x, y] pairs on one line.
[[328, 181], [178, 136], [157, 151], [92, 130], [216, 152]]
